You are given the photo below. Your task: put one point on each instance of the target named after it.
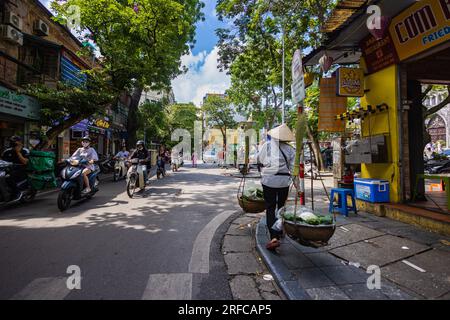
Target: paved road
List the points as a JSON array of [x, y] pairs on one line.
[[163, 244]]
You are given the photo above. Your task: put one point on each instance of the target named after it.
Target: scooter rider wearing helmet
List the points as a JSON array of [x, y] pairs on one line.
[[141, 153], [88, 153], [18, 155]]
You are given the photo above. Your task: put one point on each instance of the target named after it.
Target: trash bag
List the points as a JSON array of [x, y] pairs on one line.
[[41, 161]]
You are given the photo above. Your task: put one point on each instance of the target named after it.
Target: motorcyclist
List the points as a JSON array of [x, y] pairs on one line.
[[88, 153], [161, 159], [18, 155], [123, 154], [141, 153]]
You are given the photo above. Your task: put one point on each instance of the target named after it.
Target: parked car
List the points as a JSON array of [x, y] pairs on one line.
[[210, 157]]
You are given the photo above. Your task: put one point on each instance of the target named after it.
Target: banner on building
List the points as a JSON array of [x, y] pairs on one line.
[[330, 105], [350, 82], [420, 27]]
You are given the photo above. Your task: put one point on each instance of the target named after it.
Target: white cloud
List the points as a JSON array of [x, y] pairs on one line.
[[203, 77]]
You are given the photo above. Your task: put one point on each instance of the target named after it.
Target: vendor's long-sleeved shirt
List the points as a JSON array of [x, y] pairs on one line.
[[273, 161]]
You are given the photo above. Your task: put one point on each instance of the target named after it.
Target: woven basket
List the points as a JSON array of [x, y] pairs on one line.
[[252, 206], [305, 233]]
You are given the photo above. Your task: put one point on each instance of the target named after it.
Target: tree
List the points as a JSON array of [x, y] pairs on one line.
[[67, 105], [139, 46], [219, 113], [251, 51]]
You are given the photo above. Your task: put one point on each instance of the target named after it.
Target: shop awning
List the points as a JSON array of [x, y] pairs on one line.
[[347, 26]]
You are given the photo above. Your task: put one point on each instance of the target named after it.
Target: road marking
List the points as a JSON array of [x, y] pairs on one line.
[[169, 286], [44, 289], [413, 266], [200, 252]]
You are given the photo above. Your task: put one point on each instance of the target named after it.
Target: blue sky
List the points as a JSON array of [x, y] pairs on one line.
[[203, 76]]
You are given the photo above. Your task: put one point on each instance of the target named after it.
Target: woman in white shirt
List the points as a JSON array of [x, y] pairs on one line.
[[277, 158]]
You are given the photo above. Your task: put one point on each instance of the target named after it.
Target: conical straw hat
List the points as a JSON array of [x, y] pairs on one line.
[[282, 133]]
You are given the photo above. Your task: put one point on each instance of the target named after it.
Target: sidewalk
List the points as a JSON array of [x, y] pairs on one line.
[[414, 263]]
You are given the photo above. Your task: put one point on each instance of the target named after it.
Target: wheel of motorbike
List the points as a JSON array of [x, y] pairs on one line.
[[64, 199], [116, 175], [29, 196], [131, 185], [158, 174]]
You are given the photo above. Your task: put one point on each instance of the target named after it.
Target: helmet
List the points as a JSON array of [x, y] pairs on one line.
[[15, 139], [140, 142], [86, 138]]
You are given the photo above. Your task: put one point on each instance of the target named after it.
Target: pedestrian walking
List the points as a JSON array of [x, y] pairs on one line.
[[194, 160], [277, 158]]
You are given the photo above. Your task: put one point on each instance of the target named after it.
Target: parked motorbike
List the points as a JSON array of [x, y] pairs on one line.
[[437, 166], [135, 176], [311, 169], [120, 169], [73, 185], [24, 191], [160, 170]]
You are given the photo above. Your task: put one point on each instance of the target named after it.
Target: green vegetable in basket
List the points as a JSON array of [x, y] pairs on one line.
[[289, 216], [326, 220]]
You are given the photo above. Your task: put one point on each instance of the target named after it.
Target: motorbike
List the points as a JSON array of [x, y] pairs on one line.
[[24, 190], [437, 166], [73, 184], [311, 170], [135, 176], [160, 170], [120, 169], [175, 164], [107, 165]]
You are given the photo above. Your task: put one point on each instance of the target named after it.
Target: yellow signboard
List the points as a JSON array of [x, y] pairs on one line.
[[420, 27], [350, 82]]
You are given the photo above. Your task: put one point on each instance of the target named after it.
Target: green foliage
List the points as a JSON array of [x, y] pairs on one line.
[[251, 50], [219, 113]]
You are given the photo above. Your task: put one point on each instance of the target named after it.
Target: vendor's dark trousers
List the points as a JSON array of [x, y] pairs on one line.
[[275, 199]]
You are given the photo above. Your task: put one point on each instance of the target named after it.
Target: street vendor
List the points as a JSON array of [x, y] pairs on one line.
[[277, 158]]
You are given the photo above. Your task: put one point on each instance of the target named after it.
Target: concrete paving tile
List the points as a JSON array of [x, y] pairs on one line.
[[244, 288], [327, 293], [361, 292], [379, 251], [237, 244], [242, 263], [244, 220], [237, 230], [415, 234], [265, 285], [324, 259], [270, 296], [351, 233], [295, 291], [312, 278], [342, 275], [432, 283]]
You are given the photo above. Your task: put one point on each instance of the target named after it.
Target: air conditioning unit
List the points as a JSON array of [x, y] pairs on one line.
[[41, 28], [11, 34], [13, 19]]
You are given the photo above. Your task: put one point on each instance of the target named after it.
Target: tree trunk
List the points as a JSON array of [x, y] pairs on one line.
[[316, 148], [132, 121]]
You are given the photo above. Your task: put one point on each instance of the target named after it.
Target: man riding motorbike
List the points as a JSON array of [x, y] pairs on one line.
[[18, 155], [141, 153], [88, 153]]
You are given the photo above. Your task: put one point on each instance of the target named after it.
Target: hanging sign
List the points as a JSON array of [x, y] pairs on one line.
[[422, 26], [19, 105], [298, 82], [350, 82], [330, 105], [378, 54]]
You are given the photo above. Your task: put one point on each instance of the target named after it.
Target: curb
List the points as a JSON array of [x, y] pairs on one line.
[[283, 277]]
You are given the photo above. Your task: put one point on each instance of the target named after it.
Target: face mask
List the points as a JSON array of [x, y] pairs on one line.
[[140, 148], [85, 144], [34, 142]]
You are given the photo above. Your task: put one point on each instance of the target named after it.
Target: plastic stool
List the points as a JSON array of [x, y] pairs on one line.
[[342, 207]]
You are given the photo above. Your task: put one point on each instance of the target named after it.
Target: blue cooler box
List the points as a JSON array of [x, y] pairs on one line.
[[372, 190]]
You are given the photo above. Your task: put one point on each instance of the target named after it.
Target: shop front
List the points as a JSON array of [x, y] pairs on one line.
[[18, 114], [98, 129], [413, 53]]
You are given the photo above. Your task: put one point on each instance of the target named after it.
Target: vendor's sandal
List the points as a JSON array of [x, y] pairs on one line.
[[272, 245]]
